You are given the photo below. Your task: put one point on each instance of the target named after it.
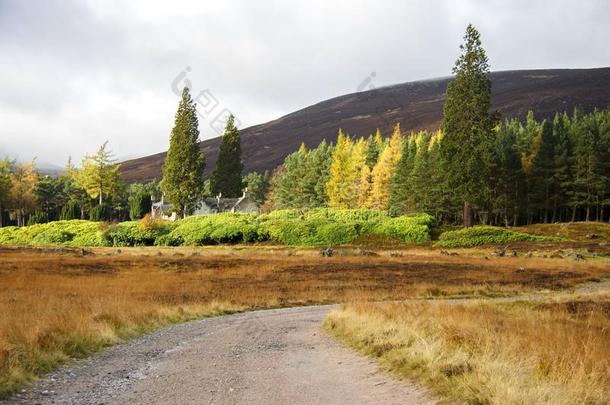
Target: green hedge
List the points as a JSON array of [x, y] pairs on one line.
[[483, 235], [70, 233], [134, 233], [317, 227], [322, 226]]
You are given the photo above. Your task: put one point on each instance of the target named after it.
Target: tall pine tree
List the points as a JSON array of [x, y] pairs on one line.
[[467, 126], [226, 179], [183, 167]]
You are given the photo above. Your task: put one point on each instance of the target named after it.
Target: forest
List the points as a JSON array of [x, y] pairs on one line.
[[550, 170]]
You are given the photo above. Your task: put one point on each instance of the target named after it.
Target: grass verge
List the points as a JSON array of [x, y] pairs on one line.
[[30, 347], [489, 353]]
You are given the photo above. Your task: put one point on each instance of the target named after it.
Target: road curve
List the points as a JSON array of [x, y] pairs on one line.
[[264, 357]]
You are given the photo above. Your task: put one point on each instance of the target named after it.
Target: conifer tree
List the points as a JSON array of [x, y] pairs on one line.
[[509, 178], [5, 186], [317, 172], [257, 185], [440, 204], [338, 192], [467, 125], [562, 175], [401, 191], [302, 182], [365, 186], [357, 162], [287, 189], [384, 171], [182, 180], [226, 178], [421, 173], [542, 171], [374, 147]]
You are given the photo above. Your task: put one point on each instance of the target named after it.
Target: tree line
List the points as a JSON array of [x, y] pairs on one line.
[[93, 191], [476, 169], [549, 170]]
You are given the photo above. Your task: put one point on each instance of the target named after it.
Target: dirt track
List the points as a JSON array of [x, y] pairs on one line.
[[262, 357]]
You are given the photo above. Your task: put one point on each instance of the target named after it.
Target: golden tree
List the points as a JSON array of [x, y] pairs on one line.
[[384, 170]]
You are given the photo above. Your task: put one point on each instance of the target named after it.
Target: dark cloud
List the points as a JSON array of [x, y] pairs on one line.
[[76, 73]]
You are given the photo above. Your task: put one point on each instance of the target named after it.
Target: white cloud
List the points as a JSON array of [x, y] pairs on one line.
[[74, 74]]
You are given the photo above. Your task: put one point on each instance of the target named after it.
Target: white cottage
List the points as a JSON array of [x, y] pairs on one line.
[[209, 206]]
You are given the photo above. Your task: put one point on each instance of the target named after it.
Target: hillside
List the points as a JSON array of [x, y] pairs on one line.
[[415, 105]]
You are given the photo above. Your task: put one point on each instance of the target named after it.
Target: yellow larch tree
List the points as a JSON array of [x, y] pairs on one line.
[[384, 170], [338, 193]]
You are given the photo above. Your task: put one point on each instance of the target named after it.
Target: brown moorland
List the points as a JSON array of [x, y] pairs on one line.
[[62, 303]]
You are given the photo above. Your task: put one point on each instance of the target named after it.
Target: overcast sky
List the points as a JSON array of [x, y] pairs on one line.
[[76, 73]]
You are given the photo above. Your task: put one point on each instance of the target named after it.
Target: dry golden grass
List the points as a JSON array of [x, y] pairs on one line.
[[551, 352], [58, 303]]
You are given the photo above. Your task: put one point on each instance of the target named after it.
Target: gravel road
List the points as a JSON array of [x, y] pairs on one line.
[[263, 357]]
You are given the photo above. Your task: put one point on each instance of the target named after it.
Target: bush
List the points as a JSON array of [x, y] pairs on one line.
[[218, 228], [69, 233], [413, 228], [325, 226], [483, 235], [52, 236], [317, 227], [136, 233]]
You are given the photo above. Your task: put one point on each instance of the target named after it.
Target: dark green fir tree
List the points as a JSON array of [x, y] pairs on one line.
[[182, 181], [226, 179]]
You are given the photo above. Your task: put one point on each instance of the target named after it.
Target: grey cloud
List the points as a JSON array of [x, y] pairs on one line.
[[76, 73]]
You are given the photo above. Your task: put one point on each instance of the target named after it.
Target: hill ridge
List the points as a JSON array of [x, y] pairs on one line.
[[416, 105]]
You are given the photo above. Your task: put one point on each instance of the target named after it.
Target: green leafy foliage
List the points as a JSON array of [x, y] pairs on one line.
[[317, 227], [69, 233], [213, 229], [483, 235], [136, 233]]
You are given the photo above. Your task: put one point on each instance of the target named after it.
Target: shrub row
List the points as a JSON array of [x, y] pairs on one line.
[[70, 233], [483, 235], [291, 227], [321, 226]]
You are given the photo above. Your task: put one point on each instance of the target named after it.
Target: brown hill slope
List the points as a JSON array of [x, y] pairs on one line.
[[416, 105]]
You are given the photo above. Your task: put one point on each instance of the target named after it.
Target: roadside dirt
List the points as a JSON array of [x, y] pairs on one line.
[[261, 357]]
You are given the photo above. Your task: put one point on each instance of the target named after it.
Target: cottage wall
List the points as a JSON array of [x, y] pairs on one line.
[[246, 205]]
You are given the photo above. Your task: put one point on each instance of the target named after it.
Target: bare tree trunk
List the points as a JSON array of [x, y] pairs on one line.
[[573, 213], [468, 219]]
